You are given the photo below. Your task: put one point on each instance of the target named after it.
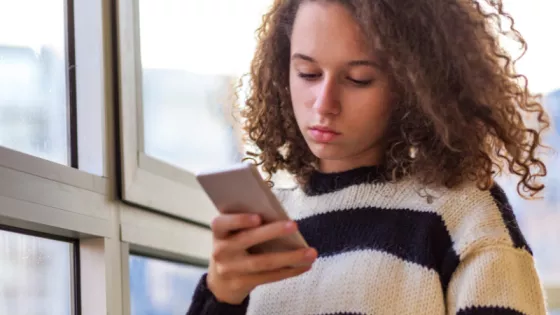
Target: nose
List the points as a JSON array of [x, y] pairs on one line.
[[327, 101]]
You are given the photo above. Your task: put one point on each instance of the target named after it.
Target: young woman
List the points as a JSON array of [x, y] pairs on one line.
[[394, 116]]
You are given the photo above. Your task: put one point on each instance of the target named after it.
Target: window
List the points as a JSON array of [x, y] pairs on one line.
[[179, 80], [540, 219], [36, 275], [43, 190], [188, 84], [34, 111], [159, 287]]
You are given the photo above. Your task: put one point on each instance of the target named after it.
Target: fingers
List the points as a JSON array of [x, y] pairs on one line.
[[248, 238], [269, 262], [223, 225], [233, 272]]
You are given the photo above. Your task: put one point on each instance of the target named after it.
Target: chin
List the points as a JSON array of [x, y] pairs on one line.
[[325, 151]]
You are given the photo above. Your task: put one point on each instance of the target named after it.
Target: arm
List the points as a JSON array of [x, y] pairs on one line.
[[233, 273], [496, 279], [205, 303]]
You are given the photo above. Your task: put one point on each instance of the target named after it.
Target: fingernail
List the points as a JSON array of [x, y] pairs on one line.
[[310, 254], [290, 225], [255, 218]]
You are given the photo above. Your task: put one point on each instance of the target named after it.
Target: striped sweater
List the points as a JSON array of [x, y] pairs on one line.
[[386, 249]]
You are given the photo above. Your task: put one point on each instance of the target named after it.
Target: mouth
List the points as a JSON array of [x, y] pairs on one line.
[[323, 134]]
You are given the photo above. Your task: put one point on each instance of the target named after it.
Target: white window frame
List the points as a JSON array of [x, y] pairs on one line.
[[156, 235], [146, 181], [42, 196], [37, 191], [38, 195], [45, 193], [153, 235]]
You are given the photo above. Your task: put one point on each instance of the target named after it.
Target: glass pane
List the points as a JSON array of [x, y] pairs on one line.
[[35, 275], [193, 53], [33, 115], [159, 287], [540, 219]]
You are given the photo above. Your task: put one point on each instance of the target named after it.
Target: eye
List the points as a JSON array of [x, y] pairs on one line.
[[309, 76], [360, 83]]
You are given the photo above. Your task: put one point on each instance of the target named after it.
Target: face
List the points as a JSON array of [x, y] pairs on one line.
[[340, 95]]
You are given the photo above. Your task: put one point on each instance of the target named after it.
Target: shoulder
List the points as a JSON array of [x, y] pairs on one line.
[[478, 218], [473, 218]]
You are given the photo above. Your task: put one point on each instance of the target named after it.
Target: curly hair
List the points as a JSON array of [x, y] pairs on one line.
[[462, 108]]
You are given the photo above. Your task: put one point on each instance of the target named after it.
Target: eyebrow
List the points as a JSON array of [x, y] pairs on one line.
[[370, 63]]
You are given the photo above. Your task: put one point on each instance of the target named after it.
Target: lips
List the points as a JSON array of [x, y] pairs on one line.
[[323, 134]]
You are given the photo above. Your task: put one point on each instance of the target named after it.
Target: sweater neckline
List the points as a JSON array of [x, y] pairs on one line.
[[322, 183]]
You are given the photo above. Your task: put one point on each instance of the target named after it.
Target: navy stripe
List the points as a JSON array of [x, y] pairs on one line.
[[204, 302], [508, 216], [323, 183], [448, 266], [489, 310], [414, 236]]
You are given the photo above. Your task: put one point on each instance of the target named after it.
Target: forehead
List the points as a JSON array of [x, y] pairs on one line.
[[325, 28]]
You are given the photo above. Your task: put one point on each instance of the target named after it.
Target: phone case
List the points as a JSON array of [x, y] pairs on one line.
[[241, 189]]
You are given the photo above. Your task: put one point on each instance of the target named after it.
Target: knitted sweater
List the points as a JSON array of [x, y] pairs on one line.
[[385, 248]]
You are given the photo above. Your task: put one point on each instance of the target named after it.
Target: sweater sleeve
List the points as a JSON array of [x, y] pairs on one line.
[[204, 303], [498, 280]]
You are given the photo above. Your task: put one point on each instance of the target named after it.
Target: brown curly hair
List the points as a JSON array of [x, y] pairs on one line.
[[462, 107]]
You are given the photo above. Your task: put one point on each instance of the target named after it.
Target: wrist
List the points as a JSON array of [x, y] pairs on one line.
[[224, 297]]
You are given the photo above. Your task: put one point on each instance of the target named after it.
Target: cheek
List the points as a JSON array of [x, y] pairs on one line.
[[299, 94], [374, 112]]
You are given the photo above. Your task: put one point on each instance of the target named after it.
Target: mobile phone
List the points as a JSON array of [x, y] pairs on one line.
[[241, 189]]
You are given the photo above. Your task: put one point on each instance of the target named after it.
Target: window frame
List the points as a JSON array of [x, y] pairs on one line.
[[71, 90], [42, 194], [128, 249], [42, 197], [153, 234], [74, 248], [146, 181]]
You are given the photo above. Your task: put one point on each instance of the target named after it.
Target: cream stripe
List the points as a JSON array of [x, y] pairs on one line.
[[385, 196], [497, 276], [471, 216], [474, 221], [365, 282]]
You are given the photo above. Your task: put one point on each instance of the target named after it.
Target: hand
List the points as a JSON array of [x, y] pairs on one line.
[[233, 272]]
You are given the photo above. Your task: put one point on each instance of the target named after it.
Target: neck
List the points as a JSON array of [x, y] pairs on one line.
[[372, 158], [321, 182]]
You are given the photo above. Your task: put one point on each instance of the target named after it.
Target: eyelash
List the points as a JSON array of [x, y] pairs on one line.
[[361, 83], [308, 76], [312, 76]]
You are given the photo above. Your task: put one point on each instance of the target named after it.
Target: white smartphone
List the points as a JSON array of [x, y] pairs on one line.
[[241, 189]]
